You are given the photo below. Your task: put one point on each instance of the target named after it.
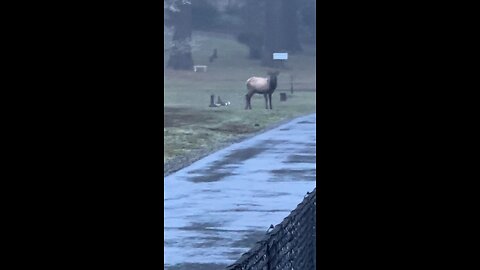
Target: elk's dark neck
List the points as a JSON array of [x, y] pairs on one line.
[[273, 82]]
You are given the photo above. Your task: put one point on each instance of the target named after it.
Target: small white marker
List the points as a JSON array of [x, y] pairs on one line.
[[280, 56]]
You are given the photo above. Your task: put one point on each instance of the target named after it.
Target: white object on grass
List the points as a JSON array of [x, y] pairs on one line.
[[195, 68]]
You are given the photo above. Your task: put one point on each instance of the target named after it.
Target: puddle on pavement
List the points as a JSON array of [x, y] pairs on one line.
[[241, 155], [216, 171], [207, 241], [223, 167], [211, 190], [211, 176], [301, 159], [263, 194], [201, 226], [310, 150], [293, 175]]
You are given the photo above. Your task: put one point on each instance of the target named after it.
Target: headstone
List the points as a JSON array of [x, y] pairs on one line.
[[283, 97], [212, 103]]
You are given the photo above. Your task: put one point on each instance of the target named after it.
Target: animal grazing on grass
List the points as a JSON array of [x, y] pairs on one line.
[[259, 85]]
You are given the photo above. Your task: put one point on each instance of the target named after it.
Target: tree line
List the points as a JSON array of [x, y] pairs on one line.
[[266, 26]]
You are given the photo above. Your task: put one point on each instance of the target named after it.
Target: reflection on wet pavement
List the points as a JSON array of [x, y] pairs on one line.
[[218, 207]]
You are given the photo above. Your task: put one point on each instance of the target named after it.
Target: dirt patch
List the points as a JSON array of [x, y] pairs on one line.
[[180, 162], [179, 116], [235, 128]]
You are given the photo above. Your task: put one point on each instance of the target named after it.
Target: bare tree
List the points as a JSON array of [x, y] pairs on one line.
[[180, 15]]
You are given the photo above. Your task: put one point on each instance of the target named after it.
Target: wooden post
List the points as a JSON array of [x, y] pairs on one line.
[[291, 84]]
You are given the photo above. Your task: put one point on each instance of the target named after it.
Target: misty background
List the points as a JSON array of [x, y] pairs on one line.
[[263, 26]]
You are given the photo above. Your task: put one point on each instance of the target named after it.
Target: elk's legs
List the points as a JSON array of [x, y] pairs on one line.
[[266, 104], [247, 101], [270, 99]]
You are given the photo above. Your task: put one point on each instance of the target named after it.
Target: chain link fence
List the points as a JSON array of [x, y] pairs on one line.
[[290, 245]]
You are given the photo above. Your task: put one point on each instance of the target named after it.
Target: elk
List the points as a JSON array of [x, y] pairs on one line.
[[259, 85]]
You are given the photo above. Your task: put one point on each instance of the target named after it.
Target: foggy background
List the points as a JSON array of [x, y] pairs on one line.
[[263, 26]]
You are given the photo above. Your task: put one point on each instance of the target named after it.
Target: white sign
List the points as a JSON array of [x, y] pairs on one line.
[[280, 56]]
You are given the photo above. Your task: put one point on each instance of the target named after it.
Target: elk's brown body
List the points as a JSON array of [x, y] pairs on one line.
[[259, 85]]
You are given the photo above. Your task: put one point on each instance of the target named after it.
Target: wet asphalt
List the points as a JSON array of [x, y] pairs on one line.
[[218, 207]]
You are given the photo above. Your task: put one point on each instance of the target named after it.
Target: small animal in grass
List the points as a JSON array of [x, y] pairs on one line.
[[213, 56], [259, 85]]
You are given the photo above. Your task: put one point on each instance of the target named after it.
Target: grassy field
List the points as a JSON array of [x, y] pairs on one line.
[[190, 125]]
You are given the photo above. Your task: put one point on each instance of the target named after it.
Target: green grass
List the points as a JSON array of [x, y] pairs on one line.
[[191, 125]]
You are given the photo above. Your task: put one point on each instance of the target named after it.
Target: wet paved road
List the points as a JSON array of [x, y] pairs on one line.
[[218, 207]]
